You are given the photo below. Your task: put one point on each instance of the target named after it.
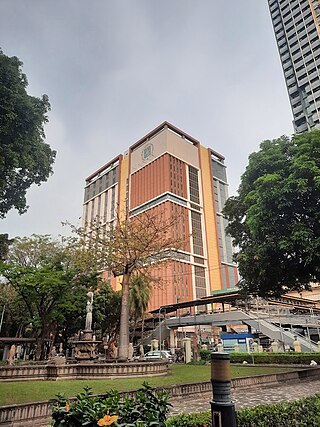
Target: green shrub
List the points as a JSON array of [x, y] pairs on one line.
[[205, 355], [276, 358], [197, 362], [302, 413], [190, 420], [147, 408]]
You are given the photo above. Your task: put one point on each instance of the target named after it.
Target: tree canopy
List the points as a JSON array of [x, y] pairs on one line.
[[275, 219], [24, 157], [41, 276]]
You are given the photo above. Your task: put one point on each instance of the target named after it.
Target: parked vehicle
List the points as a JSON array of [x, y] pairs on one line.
[[157, 355]]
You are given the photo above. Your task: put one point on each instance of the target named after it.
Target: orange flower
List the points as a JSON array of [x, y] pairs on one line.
[[107, 420], [67, 408]]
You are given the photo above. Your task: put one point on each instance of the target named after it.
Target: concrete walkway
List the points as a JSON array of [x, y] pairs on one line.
[[249, 397]]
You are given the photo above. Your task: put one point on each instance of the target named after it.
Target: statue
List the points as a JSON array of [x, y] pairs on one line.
[[89, 311], [130, 351], [141, 349], [296, 345], [11, 355]]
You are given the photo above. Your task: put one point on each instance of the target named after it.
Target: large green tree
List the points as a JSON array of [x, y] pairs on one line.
[[24, 157], [106, 314], [275, 219], [46, 277]]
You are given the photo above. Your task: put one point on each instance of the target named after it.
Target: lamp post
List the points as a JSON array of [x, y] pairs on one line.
[[222, 408]]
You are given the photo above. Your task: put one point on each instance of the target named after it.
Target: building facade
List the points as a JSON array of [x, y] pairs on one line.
[[168, 169], [296, 28]]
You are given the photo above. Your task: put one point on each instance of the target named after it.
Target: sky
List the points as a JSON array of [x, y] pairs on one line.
[[115, 69]]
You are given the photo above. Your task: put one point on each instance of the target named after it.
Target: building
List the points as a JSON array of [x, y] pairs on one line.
[[168, 168], [296, 27]]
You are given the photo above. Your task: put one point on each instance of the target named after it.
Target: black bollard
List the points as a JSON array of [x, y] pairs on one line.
[[222, 408]]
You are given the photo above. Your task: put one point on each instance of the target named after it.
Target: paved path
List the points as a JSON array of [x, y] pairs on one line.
[[249, 396]]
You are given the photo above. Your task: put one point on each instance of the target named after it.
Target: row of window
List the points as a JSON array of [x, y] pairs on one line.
[[197, 233], [101, 184], [101, 208], [194, 185]]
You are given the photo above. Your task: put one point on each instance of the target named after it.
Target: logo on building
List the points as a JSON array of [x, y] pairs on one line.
[[147, 152]]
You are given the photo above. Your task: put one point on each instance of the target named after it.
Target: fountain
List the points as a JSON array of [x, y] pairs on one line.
[[85, 349]]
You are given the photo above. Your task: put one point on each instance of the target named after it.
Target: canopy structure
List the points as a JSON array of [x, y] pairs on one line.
[[223, 296], [228, 296]]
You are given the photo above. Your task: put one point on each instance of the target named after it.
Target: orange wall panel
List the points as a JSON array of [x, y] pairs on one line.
[[166, 278], [157, 178]]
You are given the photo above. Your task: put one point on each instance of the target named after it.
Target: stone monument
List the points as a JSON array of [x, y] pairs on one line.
[[296, 345], [86, 346]]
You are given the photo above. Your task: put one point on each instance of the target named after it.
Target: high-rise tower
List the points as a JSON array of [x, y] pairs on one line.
[[168, 169], [297, 31]]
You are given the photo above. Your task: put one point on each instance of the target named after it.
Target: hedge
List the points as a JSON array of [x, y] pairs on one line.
[[276, 358], [302, 413]]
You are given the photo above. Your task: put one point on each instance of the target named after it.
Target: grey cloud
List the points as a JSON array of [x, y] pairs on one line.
[[114, 69]]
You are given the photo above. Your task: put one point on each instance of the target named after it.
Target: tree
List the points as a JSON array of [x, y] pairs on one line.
[[5, 243], [24, 158], [133, 245], [45, 276], [139, 297], [106, 313], [275, 219]]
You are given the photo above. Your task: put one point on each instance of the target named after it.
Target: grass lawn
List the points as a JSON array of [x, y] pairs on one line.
[[30, 391]]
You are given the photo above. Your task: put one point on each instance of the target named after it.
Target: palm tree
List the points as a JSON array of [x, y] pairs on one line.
[[139, 296]]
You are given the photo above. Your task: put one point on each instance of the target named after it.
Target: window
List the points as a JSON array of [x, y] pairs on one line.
[[194, 185]]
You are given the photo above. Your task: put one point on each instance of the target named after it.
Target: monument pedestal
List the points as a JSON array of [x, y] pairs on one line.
[[85, 349]]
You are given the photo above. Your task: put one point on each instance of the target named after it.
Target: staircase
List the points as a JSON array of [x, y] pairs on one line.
[[277, 333]]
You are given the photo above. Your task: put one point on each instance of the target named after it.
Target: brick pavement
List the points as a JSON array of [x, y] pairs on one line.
[[249, 396]]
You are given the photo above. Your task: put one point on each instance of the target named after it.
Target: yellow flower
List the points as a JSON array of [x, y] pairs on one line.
[[67, 407], [107, 420]]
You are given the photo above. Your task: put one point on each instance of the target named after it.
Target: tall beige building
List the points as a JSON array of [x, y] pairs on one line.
[[169, 169], [296, 28]]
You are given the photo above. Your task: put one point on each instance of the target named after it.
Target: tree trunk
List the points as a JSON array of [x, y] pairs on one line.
[[142, 329], [124, 319]]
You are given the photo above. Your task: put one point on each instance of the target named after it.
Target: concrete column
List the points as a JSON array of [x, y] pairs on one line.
[[274, 347], [187, 350], [172, 342], [236, 348], [220, 347]]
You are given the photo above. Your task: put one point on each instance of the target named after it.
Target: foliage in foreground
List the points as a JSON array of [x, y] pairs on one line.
[[147, 408], [302, 413], [275, 219]]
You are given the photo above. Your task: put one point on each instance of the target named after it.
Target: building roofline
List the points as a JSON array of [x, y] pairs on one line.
[[164, 125], [216, 154], [119, 157]]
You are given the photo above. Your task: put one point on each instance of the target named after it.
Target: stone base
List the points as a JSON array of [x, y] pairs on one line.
[[57, 360], [87, 335], [86, 350]]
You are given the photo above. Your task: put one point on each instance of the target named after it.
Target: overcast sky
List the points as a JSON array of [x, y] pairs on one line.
[[115, 69]]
